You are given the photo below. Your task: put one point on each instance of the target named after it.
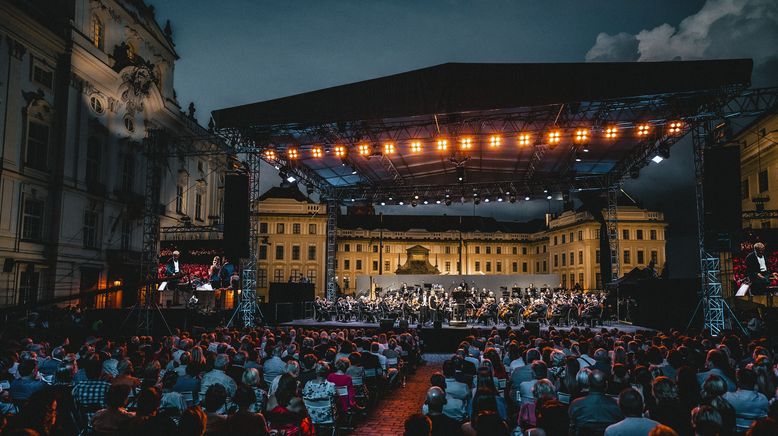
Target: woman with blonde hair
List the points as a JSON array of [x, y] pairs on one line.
[[252, 379]]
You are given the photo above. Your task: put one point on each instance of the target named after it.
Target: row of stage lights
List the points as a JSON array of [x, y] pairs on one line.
[[581, 137], [447, 199]]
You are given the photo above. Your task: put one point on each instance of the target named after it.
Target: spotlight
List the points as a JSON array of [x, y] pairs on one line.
[[548, 197], [585, 148], [388, 148], [526, 198], [353, 171], [466, 143], [364, 149], [415, 197], [270, 154], [554, 137], [426, 202], [495, 141], [317, 152], [577, 159], [643, 129], [655, 159], [340, 151], [674, 128], [524, 139], [442, 144], [437, 201], [292, 153], [499, 199], [291, 179], [416, 147], [390, 198], [486, 199], [383, 203], [461, 174], [545, 191], [581, 136], [611, 132], [401, 203]]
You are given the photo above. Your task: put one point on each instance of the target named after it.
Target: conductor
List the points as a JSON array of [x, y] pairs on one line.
[[756, 269]]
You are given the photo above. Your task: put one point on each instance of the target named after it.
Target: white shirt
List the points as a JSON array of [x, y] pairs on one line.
[[762, 265], [175, 266]]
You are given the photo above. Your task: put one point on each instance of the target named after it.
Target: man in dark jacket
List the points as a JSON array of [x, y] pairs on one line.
[[756, 269], [596, 411]]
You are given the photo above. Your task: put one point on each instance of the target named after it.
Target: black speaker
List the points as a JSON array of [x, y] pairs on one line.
[[386, 324], [8, 264], [403, 323], [722, 196], [236, 216], [533, 327], [438, 324]]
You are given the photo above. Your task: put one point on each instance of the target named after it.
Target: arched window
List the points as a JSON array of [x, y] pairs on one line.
[[98, 33]]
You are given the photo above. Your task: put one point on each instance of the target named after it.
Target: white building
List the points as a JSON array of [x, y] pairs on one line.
[[81, 84]]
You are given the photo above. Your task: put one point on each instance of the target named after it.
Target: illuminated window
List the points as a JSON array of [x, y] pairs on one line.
[[98, 33]]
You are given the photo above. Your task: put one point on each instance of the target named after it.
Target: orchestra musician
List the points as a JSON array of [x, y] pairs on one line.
[[213, 273], [756, 269], [173, 272]]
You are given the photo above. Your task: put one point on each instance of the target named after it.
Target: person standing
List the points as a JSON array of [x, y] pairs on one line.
[[173, 271], [756, 269]]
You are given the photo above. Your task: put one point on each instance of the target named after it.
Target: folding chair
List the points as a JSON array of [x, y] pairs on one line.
[[325, 406], [342, 391]]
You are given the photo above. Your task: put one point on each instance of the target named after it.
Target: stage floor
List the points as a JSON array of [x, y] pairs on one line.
[[311, 323]]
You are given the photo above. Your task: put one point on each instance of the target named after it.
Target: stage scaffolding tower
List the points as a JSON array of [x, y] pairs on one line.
[[612, 221], [332, 248]]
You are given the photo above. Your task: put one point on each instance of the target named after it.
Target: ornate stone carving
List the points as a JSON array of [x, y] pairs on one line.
[[135, 87]]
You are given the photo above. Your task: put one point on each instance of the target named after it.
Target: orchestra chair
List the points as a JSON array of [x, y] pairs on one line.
[[563, 397]]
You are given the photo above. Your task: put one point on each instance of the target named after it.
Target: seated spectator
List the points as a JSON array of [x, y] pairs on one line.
[[244, 421], [486, 396], [667, 408], [594, 412], [193, 422], [748, 403], [125, 369], [633, 424], [713, 391], [89, 395], [442, 425], [188, 385], [308, 368], [539, 372], [252, 379], [289, 414], [763, 427], [146, 420], [218, 376], [568, 383], [215, 399], [340, 379], [706, 421], [454, 388], [172, 402], [524, 373], [486, 423], [273, 367], [454, 408], [543, 390], [292, 368], [37, 417], [418, 425], [551, 417], [717, 364], [115, 416], [320, 389], [28, 383]]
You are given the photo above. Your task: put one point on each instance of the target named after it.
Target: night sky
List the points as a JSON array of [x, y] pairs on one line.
[[242, 51]]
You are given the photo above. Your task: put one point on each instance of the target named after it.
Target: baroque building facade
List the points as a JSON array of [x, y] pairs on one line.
[[293, 240], [85, 82]]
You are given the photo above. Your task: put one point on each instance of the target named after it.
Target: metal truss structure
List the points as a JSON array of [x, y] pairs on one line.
[[332, 248], [612, 222]]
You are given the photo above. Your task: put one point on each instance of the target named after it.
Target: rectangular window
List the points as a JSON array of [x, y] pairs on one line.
[[478, 266], [564, 260], [263, 228], [359, 264], [572, 258], [580, 258], [571, 237], [447, 250], [43, 76], [32, 220], [311, 229], [295, 275], [359, 248], [564, 280], [311, 275], [37, 145], [524, 267], [598, 281], [387, 265], [295, 252], [346, 247], [523, 250], [179, 199], [278, 275], [515, 267], [375, 265], [545, 266], [652, 235], [563, 239], [311, 252], [498, 267], [627, 259], [745, 192], [477, 249], [572, 279], [126, 234], [279, 252], [128, 174], [199, 206], [597, 257], [448, 266], [375, 248], [280, 228], [654, 256], [580, 279], [386, 249], [640, 256], [296, 228], [262, 278], [499, 250], [625, 234], [346, 264], [90, 229], [488, 249], [764, 182], [556, 260], [580, 235], [639, 234], [263, 252], [515, 250], [94, 160], [555, 240]]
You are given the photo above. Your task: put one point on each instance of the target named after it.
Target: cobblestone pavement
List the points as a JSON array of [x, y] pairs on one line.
[[390, 414]]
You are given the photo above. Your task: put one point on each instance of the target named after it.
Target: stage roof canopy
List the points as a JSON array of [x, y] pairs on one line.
[[474, 130]]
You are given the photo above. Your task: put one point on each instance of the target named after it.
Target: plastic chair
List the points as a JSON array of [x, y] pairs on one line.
[[322, 405], [342, 391]]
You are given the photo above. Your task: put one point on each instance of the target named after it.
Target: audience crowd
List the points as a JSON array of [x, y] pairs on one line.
[[254, 382], [595, 382]]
